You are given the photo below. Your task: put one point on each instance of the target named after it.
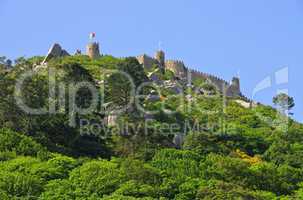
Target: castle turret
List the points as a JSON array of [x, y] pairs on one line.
[[236, 82], [235, 85], [92, 50], [160, 57]]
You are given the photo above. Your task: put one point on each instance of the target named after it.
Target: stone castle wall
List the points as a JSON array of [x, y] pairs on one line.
[[160, 57], [147, 61], [181, 71], [231, 90], [177, 67], [218, 82]]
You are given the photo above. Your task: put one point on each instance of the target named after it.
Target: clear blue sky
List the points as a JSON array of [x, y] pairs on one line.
[[255, 38]]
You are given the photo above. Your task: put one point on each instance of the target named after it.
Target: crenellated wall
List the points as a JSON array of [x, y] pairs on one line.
[[147, 61], [181, 71], [231, 90], [218, 82]]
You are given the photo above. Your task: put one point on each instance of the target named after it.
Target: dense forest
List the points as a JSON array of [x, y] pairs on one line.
[[225, 151]]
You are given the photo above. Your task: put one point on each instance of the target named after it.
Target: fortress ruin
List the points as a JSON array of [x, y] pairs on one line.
[[179, 69]]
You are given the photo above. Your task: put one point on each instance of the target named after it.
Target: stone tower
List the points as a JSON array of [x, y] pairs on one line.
[[92, 50], [160, 57], [236, 84]]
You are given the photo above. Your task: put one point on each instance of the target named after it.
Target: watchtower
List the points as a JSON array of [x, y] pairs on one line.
[[236, 84], [160, 57], [92, 50]]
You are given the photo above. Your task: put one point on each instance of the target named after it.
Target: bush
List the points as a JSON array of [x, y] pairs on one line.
[[18, 185], [96, 178], [225, 168], [21, 144], [177, 164]]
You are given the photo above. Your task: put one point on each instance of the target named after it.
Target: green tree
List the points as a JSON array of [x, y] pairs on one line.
[[132, 67], [121, 87], [21, 144], [204, 143], [285, 102], [217, 190], [97, 178], [19, 185], [135, 189], [177, 164], [225, 168], [59, 189], [119, 90]]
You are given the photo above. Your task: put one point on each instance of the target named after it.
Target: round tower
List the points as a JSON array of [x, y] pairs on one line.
[[160, 57], [92, 50]]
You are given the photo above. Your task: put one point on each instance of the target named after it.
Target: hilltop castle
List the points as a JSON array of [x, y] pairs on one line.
[[182, 72], [179, 69], [92, 51]]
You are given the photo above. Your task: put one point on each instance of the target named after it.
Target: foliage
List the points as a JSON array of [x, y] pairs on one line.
[[20, 144], [226, 151], [284, 101]]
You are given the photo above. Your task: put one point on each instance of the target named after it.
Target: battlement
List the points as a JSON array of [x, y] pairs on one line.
[[181, 71], [177, 67], [178, 62], [229, 89], [198, 74], [147, 61]]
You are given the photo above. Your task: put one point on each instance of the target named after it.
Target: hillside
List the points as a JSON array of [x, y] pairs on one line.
[[174, 139]]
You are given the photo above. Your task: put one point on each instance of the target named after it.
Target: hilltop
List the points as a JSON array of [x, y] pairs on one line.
[[184, 135]]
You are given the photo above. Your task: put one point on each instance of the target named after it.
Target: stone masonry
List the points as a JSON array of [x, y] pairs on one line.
[[92, 50], [181, 71], [177, 67]]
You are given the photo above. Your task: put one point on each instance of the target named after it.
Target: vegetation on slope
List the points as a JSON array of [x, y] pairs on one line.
[[237, 153]]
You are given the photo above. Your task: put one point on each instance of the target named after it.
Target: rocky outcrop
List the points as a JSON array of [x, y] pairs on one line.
[[247, 104], [173, 86], [54, 52]]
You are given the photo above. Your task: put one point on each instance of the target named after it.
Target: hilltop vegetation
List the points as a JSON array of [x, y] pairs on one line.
[[227, 151]]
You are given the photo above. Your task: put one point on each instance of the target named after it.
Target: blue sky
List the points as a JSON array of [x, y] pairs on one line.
[[223, 37]]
